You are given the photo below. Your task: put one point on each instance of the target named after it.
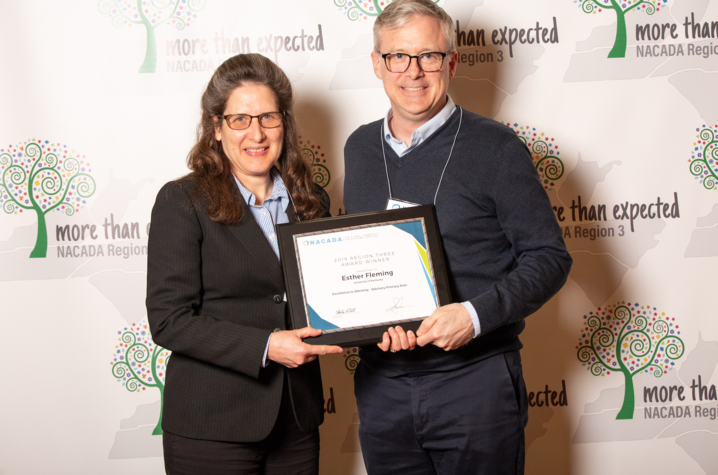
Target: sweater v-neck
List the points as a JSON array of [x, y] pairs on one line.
[[426, 143]]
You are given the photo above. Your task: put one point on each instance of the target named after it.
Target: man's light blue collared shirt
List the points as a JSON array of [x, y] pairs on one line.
[[420, 134], [417, 137]]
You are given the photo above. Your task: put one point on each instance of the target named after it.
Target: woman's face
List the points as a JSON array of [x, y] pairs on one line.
[[252, 151]]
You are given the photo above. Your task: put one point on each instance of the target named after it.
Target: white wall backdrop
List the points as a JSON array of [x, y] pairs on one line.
[[98, 108]]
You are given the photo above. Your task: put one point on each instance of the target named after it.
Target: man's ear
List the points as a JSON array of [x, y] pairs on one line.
[[376, 60]]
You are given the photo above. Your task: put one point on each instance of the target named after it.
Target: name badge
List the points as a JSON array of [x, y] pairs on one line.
[[393, 203]]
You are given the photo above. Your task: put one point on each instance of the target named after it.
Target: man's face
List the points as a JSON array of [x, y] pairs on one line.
[[416, 96]]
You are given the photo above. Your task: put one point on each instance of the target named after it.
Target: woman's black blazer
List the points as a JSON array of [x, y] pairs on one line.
[[215, 293]]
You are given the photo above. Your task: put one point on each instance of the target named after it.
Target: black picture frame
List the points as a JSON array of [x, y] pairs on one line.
[[293, 279]]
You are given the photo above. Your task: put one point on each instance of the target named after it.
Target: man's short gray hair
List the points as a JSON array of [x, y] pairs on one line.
[[399, 12]]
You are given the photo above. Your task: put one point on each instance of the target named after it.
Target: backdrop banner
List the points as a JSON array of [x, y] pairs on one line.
[[617, 102]]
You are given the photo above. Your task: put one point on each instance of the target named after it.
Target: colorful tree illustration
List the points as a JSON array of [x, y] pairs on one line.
[[704, 157], [150, 14], [544, 153], [313, 155], [42, 176], [621, 8], [648, 342], [358, 10], [140, 364]]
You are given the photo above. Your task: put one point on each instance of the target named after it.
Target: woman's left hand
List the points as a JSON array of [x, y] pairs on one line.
[[288, 349]]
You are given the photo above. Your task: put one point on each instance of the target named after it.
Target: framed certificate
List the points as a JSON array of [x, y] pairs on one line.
[[353, 276]]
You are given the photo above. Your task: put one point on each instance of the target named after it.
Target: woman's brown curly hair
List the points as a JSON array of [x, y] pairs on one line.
[[212, 171]]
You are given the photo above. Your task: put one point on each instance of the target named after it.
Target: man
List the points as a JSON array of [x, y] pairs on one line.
[[457, 402]]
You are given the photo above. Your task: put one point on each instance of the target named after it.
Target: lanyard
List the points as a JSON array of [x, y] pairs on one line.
[[386, 168]]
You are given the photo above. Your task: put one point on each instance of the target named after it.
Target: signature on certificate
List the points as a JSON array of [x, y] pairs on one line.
[[397, 305], [342, 311]]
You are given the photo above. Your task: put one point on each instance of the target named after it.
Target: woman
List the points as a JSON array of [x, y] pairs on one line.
[[242, 394]]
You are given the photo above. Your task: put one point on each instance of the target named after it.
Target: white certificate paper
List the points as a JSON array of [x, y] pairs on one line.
[[366, 275]]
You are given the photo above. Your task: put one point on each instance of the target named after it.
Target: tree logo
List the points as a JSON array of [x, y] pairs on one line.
[[43, 177], [140, 364], [648, 341], [704, 157], [313, 155], [621, 8], [150, 14], [544, 153], [358, 10]]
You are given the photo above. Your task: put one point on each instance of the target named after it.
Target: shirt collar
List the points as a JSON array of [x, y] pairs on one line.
[[426, 129], [279, 191]]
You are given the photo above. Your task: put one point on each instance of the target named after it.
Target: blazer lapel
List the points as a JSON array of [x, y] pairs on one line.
[[250, 235]]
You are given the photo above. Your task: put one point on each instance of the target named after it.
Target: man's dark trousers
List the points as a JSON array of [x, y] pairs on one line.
[[469, 420]]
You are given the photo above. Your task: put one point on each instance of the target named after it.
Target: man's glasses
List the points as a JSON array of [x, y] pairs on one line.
[[400, 62], [268, 120]]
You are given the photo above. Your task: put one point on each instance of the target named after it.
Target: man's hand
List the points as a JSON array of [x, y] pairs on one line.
[[449, 327], [396, 339], [288, 349]]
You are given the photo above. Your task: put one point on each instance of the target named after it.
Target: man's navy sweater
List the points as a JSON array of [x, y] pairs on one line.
[[503, 246]]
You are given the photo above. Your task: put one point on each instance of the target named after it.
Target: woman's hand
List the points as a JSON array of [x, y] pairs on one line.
[[288, 349]]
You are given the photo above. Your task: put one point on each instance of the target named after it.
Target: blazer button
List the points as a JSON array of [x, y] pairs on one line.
[[277, 299]]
